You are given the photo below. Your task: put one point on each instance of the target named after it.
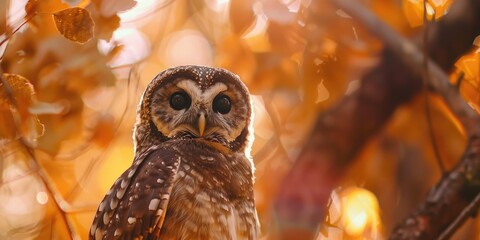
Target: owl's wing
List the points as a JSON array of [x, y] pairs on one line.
[[136, 204]]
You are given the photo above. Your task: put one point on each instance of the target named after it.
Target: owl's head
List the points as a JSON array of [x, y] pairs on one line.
[[195, 102]]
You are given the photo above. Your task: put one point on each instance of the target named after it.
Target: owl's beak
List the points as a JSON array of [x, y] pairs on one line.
[[201, 124]]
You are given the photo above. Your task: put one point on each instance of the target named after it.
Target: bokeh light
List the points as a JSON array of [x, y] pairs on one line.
[[353, 214], [186, 47], [21, 209], [134, 47]]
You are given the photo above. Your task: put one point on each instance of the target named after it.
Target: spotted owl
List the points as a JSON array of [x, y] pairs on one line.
[[192, 174]]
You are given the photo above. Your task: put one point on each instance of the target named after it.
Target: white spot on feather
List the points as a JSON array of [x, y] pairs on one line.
[[113, 203], [153, 204], [99, 234], [165, 196], [197, 175], [124, 183], [131, 220], [159, 212], [101, 207], [93, 228], [120, 193], [202, 197], [117, 232], [189, 189], [106, 218]]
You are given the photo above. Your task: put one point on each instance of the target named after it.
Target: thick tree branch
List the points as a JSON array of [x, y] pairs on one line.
[[341, 131], [447, 200], [410, 54], [455, 197]]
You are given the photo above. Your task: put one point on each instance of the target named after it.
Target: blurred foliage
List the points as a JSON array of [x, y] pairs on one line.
[[73, 71]]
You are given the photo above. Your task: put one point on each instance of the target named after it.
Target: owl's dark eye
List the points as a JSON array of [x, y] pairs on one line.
[[222, 104], [180, 100]]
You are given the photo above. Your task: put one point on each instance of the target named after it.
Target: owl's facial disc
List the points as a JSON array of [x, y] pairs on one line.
[[185, 110]]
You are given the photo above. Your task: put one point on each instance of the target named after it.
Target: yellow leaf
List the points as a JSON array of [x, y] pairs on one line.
[[104, 25], [75, 24], [31, 7], [16, 96], [19, 88], [413, 10]]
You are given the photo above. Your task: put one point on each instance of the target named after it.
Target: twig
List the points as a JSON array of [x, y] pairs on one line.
[[468, 212], [16, 29], [426, 80]]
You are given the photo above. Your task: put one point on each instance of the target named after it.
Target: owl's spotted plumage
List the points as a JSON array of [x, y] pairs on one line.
[[192, 176]]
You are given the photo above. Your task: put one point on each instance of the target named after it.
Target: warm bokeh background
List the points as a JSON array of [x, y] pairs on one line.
[[86, 95]]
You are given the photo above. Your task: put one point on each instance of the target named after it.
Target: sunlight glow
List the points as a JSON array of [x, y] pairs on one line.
[[42, 198], [354, 211], [135, 46], [413, 10], [16, 12], [217, 5], [360, 210], [18, 195], [356, 218], [186, 47]]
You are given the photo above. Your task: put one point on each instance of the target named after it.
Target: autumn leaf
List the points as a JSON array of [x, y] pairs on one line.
[[75, 24], [104, 26], [16, 96], [17, 87], [31, 8]]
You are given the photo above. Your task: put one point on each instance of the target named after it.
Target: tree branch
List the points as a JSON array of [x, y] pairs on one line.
[[342, 131]]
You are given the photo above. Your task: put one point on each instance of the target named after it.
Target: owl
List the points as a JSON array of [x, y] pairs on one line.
[[192, 174]]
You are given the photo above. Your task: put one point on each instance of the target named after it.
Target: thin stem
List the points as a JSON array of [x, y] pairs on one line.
[[16, 29], [426, 79]]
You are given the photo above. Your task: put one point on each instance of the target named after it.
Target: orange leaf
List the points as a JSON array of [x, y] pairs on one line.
[[19, 88], [16, 96], [104, 26], [75, 24], [31, 7]]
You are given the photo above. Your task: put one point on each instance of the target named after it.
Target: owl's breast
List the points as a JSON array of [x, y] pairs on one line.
[[212, 167], [212, 198]]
